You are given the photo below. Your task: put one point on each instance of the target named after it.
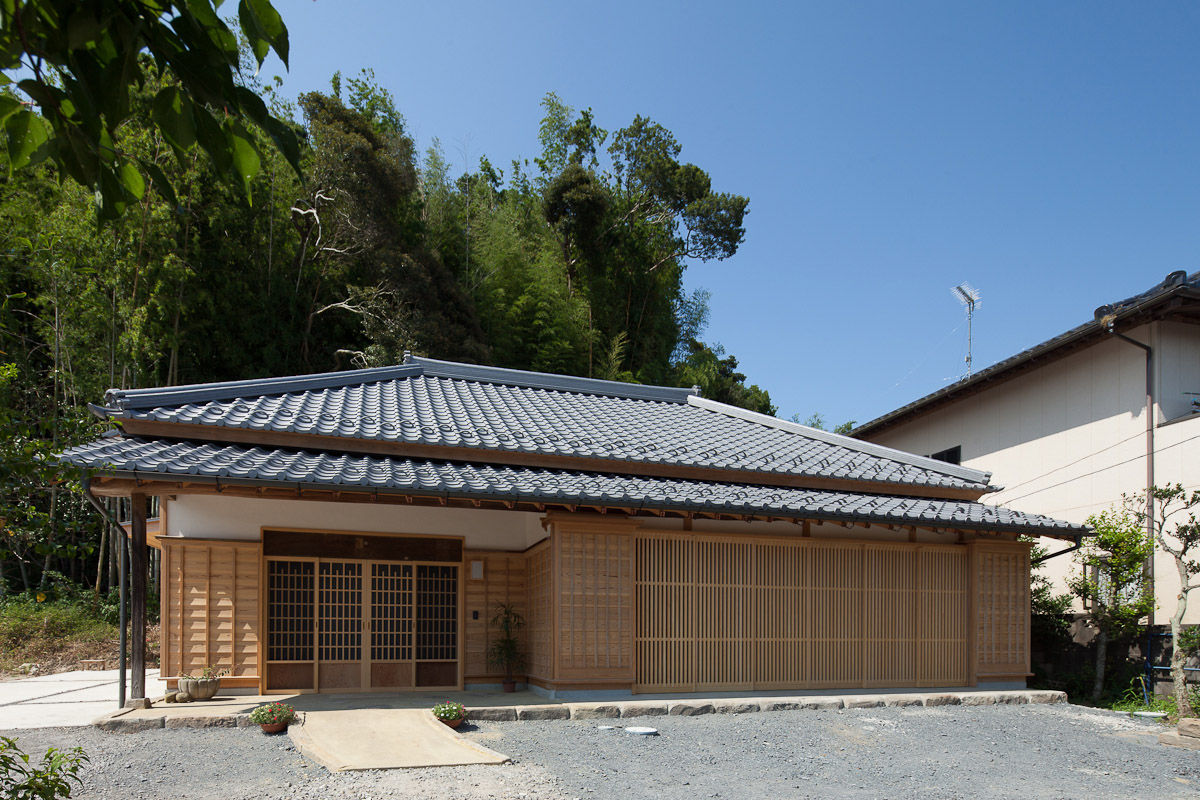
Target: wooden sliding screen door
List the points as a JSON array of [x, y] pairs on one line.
[[350, 625]]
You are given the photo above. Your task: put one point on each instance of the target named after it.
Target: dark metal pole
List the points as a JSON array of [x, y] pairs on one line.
[[137, 595], [121, 571]]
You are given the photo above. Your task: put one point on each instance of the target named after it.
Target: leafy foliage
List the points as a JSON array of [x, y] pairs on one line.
[[273, 714], [1113, 582], [83, 62], [505, 650], [1170, 514], [449, 711], [22, 779]]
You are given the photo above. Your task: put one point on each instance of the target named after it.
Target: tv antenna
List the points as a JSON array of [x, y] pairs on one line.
[[969, 297]]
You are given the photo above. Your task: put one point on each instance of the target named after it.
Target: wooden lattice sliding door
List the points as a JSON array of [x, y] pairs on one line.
[[348, 625], [782, 614]]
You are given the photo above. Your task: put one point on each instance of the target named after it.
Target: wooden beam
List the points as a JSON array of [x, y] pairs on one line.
[[137, 590]]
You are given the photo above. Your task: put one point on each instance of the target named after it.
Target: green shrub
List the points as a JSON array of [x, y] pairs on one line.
[[52, 779], [272, 714]]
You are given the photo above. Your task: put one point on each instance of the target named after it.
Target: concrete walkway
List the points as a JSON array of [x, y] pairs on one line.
[[374, 738], [64, 699]]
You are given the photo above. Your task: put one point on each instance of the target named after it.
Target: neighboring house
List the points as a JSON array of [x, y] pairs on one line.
[[354, 531], [1066, 427]]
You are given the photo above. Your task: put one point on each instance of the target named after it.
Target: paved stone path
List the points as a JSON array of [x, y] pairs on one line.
[[64, 699]]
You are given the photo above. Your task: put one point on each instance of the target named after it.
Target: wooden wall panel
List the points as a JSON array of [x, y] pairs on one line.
[[503, 582], [786, 614], [594, 592], [539, 623], [211, 609], [1001, 610]]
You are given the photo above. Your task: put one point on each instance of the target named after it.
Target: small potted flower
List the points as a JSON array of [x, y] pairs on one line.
[[273, 717], [450, 713], [203, 686]]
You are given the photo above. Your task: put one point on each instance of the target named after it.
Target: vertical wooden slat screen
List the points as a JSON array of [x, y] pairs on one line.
[[787, 614], [503, 582], [1002, 610], [594, 573], [539, 624], [211, 616]]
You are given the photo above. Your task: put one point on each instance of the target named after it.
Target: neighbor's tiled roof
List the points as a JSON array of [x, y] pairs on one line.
[[427, 402], [192, 461], [1176, 284]]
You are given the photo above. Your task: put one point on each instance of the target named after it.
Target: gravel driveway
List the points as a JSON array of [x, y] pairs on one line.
[[1036, 751]]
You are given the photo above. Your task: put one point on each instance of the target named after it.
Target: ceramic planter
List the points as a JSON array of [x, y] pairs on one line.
[[510, 686], [273, 727], [454, 723], [200, 688]]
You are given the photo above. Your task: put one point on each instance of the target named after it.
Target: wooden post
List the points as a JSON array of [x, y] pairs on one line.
[[137, 586]]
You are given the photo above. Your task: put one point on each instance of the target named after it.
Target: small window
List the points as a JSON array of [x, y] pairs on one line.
[[951, 455]]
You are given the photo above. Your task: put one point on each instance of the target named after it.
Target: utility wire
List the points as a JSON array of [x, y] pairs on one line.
[[1137, 435], [1097, 471]]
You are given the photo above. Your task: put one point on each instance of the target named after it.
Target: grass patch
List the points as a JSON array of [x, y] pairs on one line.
[[55, 635]]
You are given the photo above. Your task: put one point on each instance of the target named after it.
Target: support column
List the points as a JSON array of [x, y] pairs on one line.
[[137, 586]]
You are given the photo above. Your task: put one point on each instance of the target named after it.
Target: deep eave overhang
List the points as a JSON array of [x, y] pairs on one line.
[[1180, 303], [122, 483]]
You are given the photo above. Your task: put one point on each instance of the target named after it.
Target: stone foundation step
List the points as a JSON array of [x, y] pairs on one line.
[[1189, 727], [1175, 740]]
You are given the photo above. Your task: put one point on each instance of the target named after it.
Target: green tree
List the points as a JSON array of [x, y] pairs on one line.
[[1170, 514], [817, 420], [80, 60], [1112, 582]]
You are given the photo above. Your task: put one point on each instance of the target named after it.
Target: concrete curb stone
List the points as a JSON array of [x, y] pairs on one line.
[[903, 700], [201, 722], [543, 712], [643, 709], [863, 702], [942, 700], [493, 714], [119, 725], [594, 711]]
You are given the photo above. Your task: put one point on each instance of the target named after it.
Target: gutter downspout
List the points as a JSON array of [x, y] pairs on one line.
[[1039, 561], [1149, 452], [86, 484]]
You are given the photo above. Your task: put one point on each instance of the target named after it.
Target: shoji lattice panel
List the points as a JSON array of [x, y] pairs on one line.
[[1002, 610], [211, 607], [539, 624], [595, 599], [437, 613], [787, 614]]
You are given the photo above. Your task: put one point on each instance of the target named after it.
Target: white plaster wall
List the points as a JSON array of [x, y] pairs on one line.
[[1068, 439], [217, 517]]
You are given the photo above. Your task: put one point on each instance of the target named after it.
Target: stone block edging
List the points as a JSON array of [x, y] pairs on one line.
[[119, 721]]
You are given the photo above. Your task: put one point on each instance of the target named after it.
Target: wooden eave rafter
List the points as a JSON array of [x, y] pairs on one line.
[[343, 444], [123, 487]]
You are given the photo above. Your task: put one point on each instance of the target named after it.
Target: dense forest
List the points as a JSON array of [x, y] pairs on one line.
[[568, 262]]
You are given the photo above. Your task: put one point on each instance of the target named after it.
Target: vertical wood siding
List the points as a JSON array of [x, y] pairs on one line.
[[784, 614], [503, 582], [210, 614], [539, 624]]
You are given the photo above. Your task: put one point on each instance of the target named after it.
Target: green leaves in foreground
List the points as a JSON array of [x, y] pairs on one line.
[[83, 61]]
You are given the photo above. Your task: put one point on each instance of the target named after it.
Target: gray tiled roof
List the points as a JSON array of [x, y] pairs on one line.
[[427, 402], [193, 461]]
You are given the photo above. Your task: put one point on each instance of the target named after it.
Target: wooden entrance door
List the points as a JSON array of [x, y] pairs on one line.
[[354, 625]]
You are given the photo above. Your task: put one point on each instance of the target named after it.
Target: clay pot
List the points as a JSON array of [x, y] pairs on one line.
[[510, 686], [454, 723], [200, 688], [273, 727]]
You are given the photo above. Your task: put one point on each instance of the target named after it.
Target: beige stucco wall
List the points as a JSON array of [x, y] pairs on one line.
[[1068, 439], [213, 517]]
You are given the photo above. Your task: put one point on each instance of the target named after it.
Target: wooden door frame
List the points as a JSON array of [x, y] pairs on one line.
[[263, 621]]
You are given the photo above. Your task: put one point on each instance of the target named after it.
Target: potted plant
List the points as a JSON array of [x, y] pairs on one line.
[[505, 651], [273, 717], [203, 686], [450, 713]]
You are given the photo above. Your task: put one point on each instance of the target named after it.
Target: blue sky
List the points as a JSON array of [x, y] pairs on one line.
[[1047, 153]]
